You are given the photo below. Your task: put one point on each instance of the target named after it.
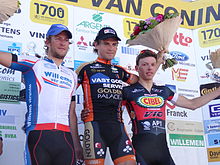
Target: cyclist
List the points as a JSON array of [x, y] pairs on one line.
[[146, 103], [51, 123]]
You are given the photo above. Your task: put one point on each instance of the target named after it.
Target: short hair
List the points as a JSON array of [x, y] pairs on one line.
[[45, 45], [145, 53], [93, 44]]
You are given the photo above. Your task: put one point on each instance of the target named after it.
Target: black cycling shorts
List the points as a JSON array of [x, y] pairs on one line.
[[152, 149], [99, 135], [50, 147]]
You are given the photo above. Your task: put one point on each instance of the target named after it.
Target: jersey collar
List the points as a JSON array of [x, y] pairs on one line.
[[51, 61], [101, 60]]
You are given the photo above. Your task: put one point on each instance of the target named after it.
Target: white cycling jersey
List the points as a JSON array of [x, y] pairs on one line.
[[49, 90]]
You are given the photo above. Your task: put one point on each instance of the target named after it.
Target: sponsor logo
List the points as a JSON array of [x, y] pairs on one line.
[[176, 113], [15, 49], [92, 25], [127, 149], [213, 154], [193, 17], [37, 35], [214, 139], [214, 110], [179, 56], [114, 70], [115, 61], [7, 32], [209, 36], [205, 58], [48, 13], [137, 90], [87, 145], [99, 78], [7, 71], [207, 88], [150, 101], [212, 126], [82, 45], [146, 125], [98, 145], [131, 51], [3, 112], [185, 127], [100, 152], [179, 74], [153, 114], [180, 39], [55, 79], [186, 140], [187, 92]]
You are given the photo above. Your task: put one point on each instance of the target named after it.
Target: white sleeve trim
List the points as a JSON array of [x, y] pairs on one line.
[[174, 99]]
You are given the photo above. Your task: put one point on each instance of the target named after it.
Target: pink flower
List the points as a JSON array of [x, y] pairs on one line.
[[148, 21], [159, 17], [137, 30]]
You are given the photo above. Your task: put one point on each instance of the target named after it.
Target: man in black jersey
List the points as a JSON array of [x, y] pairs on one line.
[[145, 103], [102, 86]]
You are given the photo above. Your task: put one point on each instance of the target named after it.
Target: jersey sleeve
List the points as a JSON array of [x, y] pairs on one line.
[[124, 97], [125, 75], [22, 63], [75, 86], [172, 97], [80, 73]]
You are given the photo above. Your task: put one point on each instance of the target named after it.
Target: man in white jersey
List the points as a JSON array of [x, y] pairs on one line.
[[51, 123]]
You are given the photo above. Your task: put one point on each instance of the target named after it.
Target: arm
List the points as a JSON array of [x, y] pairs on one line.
[[197, 102], [133, 79], [74, 131], [5, 59], [160, 58]]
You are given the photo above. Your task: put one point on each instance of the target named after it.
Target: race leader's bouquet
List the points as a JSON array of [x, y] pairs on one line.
[[8, 8], [157, 32]]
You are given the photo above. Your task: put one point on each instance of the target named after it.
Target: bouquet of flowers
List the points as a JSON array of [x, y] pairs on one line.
[[8, 8], [157, 32]]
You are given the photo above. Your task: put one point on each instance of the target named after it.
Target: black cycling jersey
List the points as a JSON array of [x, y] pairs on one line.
[[147, 112], [102, 86]]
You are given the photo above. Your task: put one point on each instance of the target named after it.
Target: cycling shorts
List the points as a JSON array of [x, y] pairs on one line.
[[99, 135], [50, 147], [152, 149]]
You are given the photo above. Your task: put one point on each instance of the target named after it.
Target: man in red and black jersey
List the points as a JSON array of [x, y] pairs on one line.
[[102, 85], [145, 103]]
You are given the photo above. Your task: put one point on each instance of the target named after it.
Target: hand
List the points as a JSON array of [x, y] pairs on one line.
[[160, 56], [79, 153], [84, 114]]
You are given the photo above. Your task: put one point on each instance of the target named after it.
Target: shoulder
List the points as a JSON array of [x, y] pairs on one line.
[[120, 67], [130, 87], [28, 59], [83, 65]]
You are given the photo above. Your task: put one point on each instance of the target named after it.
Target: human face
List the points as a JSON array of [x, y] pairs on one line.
[[147, 68], [107, 48], [58, 45]]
